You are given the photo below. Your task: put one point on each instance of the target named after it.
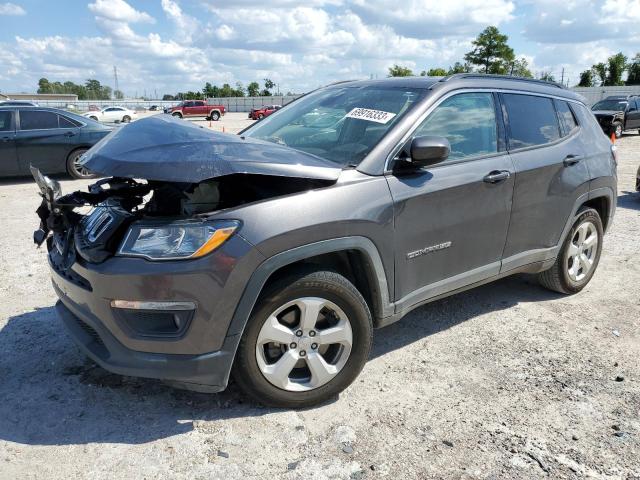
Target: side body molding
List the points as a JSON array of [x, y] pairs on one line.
[[257, 281]]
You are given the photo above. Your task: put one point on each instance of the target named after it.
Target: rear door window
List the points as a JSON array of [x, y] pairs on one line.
[[5, 121], [532, 120], [568, 122], [37, 120]]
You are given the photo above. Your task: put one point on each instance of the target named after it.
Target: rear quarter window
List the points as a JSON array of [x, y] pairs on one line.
[[532, 120], [567, 119]]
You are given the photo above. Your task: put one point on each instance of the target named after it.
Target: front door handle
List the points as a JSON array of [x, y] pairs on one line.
[[69, 134], [571, 160], [497, 176], [6, 139]]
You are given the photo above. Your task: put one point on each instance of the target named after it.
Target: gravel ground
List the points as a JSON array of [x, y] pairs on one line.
[[504, 381]]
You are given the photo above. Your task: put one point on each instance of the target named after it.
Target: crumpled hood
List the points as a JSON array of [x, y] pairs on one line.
[[163, 148]]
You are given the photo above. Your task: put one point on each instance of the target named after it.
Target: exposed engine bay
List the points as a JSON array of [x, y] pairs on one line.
[[93, 223]]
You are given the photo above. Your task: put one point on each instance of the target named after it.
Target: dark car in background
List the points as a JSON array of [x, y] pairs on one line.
[[265, 111], [51, 140], [617, 114]]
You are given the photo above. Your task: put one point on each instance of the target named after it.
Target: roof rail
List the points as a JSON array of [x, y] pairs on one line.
[[501, 77]]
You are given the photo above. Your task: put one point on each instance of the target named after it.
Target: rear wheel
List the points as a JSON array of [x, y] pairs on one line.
[[215, 116], [578, 257], [75, 168], [261, 116], [126, 119], [92, 117], [307, 340]]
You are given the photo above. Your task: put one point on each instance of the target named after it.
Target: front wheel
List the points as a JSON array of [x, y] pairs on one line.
[[126, 119], [308, 338], [179, 115], [578, 257], [616, 129], [74, 166]]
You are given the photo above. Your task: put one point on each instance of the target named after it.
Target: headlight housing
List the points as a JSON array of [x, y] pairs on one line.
[[176, 240]]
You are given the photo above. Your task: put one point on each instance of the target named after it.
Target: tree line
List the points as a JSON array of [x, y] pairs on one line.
[[492, 54], [91, 90], [610, 73], [213, 91], [94, 90]]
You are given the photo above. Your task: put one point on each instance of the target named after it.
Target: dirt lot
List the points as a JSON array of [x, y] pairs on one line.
[[505, 381]]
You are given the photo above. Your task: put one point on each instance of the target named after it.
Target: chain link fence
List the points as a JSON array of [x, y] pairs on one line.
[[231, 104]]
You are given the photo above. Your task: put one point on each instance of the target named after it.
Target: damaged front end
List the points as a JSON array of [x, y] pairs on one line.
[[164, 183]]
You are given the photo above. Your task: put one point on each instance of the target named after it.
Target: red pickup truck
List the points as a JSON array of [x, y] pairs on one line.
[[196, 108]]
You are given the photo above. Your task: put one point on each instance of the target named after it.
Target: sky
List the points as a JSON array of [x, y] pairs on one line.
[[166, 46]]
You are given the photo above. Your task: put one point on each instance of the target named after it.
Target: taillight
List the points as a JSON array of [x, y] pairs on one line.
[[614, 154]]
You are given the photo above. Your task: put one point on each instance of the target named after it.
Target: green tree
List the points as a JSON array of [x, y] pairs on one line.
[[616, 65], [44, 86], [209, 90], [253, 89], [520, 68], [239, 90], [268, 84], [168, 97], [459, 68], [400, 71], [633, 69], [435, 72], [547, 76], [586, 79], [600, 70], [491, 52], [118, 95]]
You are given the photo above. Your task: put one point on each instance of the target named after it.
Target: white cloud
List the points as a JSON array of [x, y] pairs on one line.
[[119, 10], [11, 9]]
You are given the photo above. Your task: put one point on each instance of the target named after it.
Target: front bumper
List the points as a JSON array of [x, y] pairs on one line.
[[208, 372], [200, 356]]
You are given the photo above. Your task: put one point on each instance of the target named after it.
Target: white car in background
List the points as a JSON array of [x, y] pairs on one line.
[[112, 114]]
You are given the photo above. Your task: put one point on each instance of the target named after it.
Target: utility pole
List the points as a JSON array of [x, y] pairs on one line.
[[562, 77], [115, 80]]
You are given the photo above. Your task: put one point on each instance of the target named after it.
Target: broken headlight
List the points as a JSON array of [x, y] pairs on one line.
[[175, 241]]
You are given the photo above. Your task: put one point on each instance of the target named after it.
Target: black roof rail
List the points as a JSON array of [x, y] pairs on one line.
[[501, 77]]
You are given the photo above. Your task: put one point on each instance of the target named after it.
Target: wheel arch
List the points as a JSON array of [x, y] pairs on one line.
[[357, 258]]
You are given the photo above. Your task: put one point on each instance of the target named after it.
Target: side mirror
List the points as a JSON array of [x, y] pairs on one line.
[[428, 150]]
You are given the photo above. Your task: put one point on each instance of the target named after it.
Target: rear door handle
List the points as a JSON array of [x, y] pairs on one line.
[[497, 176], [6, 139], [571, 160]]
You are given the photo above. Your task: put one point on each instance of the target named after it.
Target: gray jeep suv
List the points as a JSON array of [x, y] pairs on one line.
[[273, 254]]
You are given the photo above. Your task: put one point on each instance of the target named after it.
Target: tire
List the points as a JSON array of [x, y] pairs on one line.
[[569, 274], [345, 311], [176, 114], [75, 170], [93, 118], [616, 129], [126, 119], [260, 117], [215, 116]]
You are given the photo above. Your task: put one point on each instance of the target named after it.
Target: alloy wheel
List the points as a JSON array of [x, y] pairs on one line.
[[582, 251], [304, 344]]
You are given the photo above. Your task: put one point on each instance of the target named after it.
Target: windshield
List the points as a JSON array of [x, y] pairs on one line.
[[340, 124], [610, 105]]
